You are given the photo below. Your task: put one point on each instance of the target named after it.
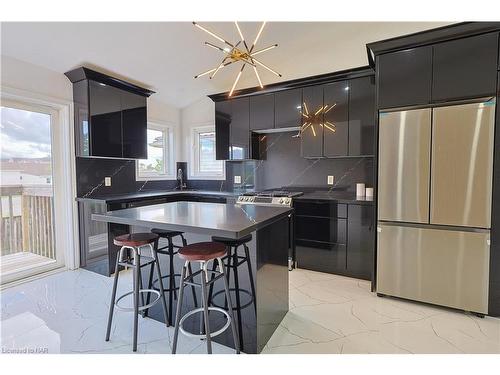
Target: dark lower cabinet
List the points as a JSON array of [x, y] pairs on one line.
[[360, 241], [404, 77], [335, 238], [465, 68]]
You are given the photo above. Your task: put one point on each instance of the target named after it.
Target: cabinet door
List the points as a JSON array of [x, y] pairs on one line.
[[361, 116], [239, 129], [105, 120], [360, 241], [134, 126], [222, 124], [287, 106], [312, 132], [262, 112], [335, 119], [465, 68], [404, 77]]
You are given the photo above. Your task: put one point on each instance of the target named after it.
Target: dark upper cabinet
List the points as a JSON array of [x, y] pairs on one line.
[[361, 116], [232, 134], [312, 131], [262, 112], [134, 133], [336, 119], [287, 106], [105, 120], [404, 77], [465, 68], [360, 241], [239, 130], [110, 115], [223, 115]]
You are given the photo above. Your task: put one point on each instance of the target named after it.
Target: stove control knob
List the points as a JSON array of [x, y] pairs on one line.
[[281, 201]]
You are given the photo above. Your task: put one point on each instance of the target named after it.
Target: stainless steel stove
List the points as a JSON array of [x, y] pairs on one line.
[[269, 198]]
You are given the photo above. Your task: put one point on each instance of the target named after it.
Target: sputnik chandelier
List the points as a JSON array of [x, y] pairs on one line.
[[316, 118], [238, 52]]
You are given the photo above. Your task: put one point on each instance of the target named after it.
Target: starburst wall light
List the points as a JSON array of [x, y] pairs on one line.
[[238, 52]]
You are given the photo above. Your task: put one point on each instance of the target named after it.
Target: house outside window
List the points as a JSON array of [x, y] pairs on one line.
[[203, 162], [159, 164]]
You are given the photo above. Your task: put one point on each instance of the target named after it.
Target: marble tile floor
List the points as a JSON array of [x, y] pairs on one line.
[[335, 314], [66, 313]]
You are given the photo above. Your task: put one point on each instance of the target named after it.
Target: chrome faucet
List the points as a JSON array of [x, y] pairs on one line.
[[180, 178]]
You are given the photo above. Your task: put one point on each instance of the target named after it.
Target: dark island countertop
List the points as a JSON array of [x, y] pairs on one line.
[[130, 197], [345, 197], [215, 219]]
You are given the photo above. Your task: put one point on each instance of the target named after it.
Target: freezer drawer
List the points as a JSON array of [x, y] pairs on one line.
[[442, 267], [462, 165], [404, 166]]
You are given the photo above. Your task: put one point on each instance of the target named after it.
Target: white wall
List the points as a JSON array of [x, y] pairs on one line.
[[200, 113], [36, 79]]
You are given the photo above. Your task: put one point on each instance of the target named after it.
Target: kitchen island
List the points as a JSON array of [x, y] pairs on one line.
[[269, 250]]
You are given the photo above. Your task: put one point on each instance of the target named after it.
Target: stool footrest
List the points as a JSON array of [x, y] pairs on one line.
[[200, 309], [141, 308]]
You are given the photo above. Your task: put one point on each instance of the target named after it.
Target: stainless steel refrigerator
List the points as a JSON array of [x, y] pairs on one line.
[[434, 204]]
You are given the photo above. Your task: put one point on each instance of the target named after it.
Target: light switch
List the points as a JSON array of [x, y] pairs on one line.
[[107, 181], [237, 179], [330, 180]]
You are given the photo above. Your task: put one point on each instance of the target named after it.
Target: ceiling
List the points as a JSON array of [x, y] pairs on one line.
[[165, 56]]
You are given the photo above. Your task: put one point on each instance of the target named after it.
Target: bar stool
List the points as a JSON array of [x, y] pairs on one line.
[[232, 262], [204, 252], [130, 255], [169, 250]]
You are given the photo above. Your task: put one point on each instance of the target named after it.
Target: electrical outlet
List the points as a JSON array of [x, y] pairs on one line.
[[107, 181], [330, 180], [237, 179]]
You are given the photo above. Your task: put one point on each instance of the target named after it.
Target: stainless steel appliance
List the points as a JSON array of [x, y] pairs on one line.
[[275, 198], [434, 204]]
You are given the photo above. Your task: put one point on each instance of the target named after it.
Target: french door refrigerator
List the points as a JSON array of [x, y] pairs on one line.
[[434, 204]]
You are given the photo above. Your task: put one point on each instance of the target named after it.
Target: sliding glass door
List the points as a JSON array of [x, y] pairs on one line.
[[28, 243]]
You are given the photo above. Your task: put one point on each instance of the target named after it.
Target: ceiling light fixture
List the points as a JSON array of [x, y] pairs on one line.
[[234, 54]]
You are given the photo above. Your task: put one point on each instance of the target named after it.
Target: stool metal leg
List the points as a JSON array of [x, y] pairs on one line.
[[150, 286], [160, 283], [250, 275], [179, 307], [137, 265], [172, 293], [193, 289], [237, 292], [204, 293], [113, 295], [230, 306]]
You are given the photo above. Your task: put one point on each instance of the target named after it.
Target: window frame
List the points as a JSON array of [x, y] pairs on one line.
[[194, 166], [168, 155]]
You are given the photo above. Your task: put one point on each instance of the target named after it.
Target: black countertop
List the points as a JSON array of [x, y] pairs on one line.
[[130, 197], [215, 219], [337, 196]]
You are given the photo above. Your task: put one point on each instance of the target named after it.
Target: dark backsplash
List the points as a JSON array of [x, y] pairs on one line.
[[282, 167]]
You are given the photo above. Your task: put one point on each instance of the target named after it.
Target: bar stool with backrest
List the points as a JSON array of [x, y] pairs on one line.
[[131, 255], [203, 253], [170, 251]]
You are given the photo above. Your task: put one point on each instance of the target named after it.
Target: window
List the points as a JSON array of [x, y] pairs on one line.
[[205, 166], [158, 165]]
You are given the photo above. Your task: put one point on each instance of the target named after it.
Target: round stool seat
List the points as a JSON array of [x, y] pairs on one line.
[[232, 241], [202, 251], [165, 233], [135, 239]]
